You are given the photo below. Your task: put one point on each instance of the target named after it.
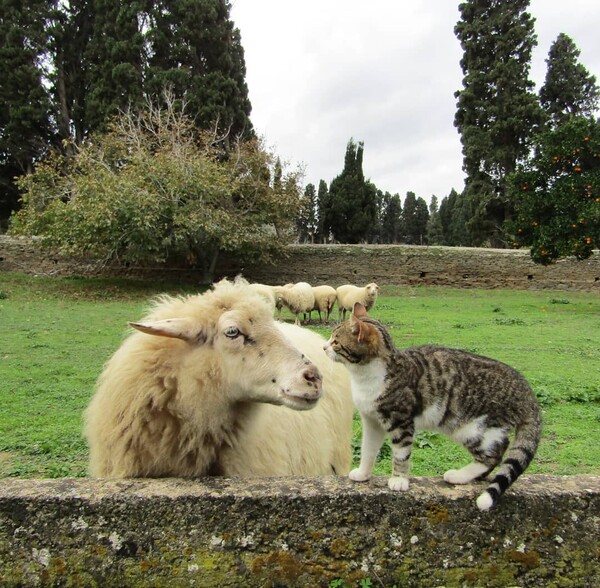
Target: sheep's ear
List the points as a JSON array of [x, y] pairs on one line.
[[359, 310], [177, 328]]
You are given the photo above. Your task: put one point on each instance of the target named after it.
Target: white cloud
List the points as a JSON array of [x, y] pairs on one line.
[[320, 72]]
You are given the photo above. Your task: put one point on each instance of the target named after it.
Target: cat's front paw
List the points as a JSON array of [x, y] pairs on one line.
[[358, 475], [398, 484]]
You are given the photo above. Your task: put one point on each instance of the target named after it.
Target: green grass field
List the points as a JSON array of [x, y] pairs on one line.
[[56, 333]]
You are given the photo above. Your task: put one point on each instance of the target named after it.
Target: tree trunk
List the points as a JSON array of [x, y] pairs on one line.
[[209, 266], [63, 118]]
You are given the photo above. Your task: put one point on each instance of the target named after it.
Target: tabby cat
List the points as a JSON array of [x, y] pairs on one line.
[[474, 400]]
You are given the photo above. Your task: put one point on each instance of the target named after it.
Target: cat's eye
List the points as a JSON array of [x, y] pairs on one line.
[[232, 332]]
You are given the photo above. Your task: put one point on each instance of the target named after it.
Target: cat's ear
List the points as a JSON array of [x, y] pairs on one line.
[[356, 325], [359, 310], [360, 329]]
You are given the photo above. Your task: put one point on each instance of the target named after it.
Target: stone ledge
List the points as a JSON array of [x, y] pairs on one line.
[[297, 532]]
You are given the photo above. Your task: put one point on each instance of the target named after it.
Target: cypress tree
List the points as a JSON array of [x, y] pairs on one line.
[[307, 220], [25, 127], [454, 214], [435, 233], [392, 220], [569, 89], [414, 217], [68, 67], [70, 33], [497, 112], [195, 50], [323, 213], [114, 58], [353, 207]]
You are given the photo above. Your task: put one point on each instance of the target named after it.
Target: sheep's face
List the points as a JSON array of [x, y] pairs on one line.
[[253, 359], [262, 365], [372, 291]]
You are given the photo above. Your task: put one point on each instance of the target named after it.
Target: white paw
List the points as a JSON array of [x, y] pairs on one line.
[[467, 474], [398, 484], [358, 475], [485, 501], [457, 477]]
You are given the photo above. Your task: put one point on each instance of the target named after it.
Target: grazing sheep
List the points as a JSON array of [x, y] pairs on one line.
[[278, 297], [299, 298], [325, 297], [198, 391], [348, 296]]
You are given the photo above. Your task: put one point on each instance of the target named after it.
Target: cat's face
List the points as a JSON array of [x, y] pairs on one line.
[[354, 342]]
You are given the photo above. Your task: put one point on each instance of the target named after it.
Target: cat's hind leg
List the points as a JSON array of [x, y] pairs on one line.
[[402, 441], [487, 450], [467, 474]]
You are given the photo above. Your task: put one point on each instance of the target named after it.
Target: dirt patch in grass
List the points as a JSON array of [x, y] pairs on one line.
[[6, 460]]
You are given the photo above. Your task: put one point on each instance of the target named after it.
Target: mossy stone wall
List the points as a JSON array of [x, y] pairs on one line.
[[297, 532]]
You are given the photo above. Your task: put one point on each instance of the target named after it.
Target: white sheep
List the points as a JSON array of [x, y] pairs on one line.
[[348, 296], [325, 297], [299, 298], [267, 292], [278, 298], [199, 391]]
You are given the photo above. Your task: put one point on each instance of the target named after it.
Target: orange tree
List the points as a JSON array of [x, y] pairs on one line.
[[556, 193]]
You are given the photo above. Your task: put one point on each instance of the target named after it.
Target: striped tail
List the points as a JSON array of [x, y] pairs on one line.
[[517, 459]]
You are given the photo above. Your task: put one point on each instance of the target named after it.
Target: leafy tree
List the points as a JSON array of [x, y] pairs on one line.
[[435, 232], [497, 112], [557, 193], [568, 89], [414, 218], [25, 128], [155, 189], [352, 212]]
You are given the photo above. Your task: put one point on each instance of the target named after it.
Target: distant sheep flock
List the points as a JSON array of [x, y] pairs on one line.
[[302, 299], [197, 388]]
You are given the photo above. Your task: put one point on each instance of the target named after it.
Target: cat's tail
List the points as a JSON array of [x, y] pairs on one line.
[[518, 457]]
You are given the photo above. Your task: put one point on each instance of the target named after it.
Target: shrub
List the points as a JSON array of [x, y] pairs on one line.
[[154, 189]]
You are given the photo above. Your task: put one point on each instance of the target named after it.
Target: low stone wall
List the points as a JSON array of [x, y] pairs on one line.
[[297, 532], [407, 265], [401, 265]]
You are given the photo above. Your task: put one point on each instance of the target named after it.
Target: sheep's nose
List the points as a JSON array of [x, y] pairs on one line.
[[313, 378]]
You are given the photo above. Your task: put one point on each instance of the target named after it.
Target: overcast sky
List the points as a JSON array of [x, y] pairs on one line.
[[383, 72]]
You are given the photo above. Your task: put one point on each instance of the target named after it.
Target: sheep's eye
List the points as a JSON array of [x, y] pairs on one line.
[[232, 332]]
